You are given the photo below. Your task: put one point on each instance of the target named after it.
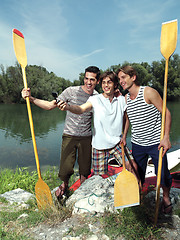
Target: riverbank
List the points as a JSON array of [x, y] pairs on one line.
[[22, 219]]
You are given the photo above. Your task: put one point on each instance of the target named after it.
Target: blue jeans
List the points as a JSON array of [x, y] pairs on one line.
[[141, 154]]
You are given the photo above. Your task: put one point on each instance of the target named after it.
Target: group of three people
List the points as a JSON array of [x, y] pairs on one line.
[[111, 113]]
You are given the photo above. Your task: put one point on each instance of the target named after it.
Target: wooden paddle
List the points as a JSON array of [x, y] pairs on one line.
[[126, 189], [43, 193], [167, 46]]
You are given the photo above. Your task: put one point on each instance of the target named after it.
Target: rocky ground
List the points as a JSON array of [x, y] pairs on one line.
[[66, 230], [63, 230], [84, 220]]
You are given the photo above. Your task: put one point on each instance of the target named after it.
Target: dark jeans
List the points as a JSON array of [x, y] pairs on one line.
[[141, 154]]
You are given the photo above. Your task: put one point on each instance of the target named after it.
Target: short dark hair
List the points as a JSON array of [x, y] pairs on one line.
[[93, 69], [129, 70], [113, 77]]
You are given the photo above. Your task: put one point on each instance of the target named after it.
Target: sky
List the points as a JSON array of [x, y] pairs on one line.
[[66, 36]]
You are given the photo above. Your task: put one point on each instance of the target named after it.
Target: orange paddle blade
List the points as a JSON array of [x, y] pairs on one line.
[[168, 38], [43, 194], [19, 47], [126, 190]]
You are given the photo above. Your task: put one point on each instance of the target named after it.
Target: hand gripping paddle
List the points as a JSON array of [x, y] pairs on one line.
[[167, 46], [43, 193], [126, 189]]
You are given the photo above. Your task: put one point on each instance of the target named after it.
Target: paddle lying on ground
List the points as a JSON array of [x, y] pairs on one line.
[[43, 193], [126, 189], [167, 46]]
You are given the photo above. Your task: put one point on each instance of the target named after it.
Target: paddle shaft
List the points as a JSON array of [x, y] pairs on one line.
[[161, 149], [31, 123], [167, 46], [123, 159]]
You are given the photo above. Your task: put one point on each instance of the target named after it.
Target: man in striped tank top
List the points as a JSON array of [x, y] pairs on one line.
[[144, 109], [76, 139]]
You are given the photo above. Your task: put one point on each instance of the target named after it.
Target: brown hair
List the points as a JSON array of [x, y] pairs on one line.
[[129, 70], [113, 77]]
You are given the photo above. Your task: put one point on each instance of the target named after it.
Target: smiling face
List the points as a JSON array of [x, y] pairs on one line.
[[90, 82], [125, 80], [108, 87]]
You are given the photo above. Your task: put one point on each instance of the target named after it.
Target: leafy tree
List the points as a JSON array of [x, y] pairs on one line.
[[3, 87], [43, 83], [173, 84]]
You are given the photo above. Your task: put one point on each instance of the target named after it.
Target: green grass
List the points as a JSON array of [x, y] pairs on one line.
[[22, 178], [132, 223]]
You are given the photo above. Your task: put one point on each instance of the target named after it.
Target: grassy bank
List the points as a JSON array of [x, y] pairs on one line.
[[133, 223]]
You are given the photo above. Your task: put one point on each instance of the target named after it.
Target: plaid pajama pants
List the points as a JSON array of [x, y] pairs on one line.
[[100, 158]]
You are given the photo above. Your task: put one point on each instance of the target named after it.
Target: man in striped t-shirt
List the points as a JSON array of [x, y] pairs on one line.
[[144, 109], [109, 112], [76, 139]]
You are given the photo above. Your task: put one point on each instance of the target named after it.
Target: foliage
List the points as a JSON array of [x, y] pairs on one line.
[[133, 223], [26, 180], [43, 83], [22, 178]]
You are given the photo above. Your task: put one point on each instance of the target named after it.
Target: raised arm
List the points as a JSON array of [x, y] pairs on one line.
[[86, 107], [46, 105]]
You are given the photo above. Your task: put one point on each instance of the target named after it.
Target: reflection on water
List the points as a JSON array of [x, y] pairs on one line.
[[14, 121], [16, 147]]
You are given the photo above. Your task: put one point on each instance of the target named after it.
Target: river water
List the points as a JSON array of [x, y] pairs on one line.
[[16, 149]]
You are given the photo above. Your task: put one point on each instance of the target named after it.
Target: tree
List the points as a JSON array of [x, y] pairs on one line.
[[43, 83], [173, 85]]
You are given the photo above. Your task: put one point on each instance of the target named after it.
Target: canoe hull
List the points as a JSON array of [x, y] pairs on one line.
[[149, 181], [173, 160]]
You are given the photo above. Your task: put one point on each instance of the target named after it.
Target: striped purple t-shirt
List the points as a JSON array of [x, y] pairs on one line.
[[77, 125]]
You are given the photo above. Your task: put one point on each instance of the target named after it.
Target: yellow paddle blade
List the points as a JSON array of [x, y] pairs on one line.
[[19, 47], [168, 38], [43, 194], [126, 190]]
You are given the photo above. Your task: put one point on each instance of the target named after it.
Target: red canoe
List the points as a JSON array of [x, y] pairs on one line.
[[150, 181]]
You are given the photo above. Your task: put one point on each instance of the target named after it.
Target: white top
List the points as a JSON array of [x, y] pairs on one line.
[[108, 121]]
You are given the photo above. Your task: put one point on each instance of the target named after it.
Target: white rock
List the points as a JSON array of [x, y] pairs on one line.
[[24, 215], [18, 195], [24, 206], [71, 238], [94, 195], [93, 237], [105, 237]]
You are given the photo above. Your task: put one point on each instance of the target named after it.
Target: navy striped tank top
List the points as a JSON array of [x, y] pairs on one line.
[[145, 120]]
